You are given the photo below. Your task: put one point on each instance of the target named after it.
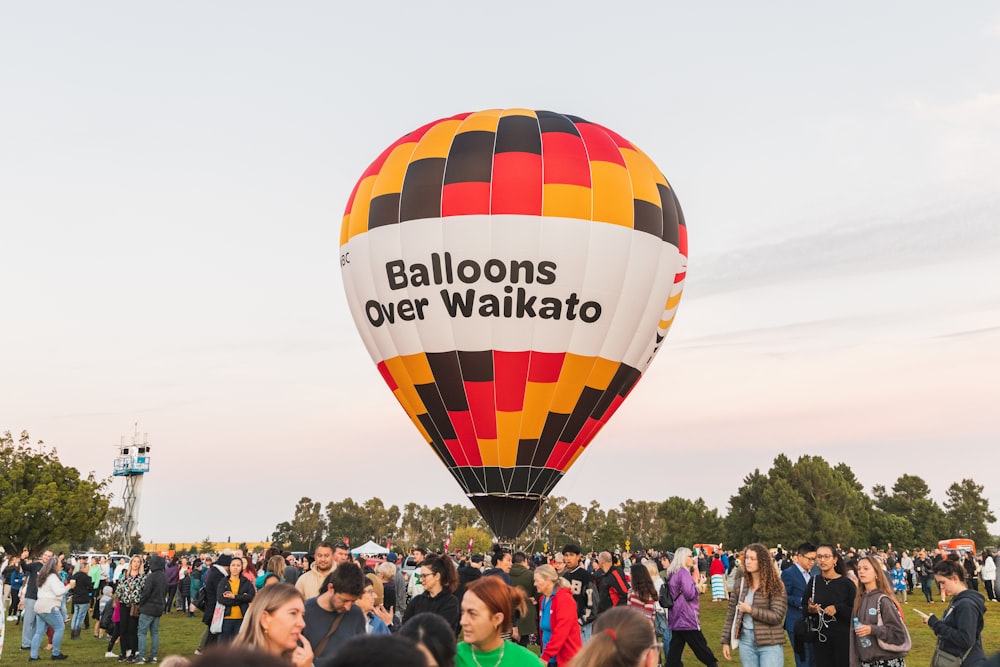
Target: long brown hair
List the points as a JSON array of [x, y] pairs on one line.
[[768, 580], [499, 598], [621, 636], [881, 583], [642, 584]]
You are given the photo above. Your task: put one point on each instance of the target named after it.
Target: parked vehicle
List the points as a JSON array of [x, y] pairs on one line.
[[959, 544]]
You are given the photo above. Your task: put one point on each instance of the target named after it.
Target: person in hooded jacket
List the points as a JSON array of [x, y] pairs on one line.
[[151, 604], [879, 617], [959, 630]]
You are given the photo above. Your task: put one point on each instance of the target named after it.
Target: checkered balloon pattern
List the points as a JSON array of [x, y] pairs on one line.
[[512, 274]]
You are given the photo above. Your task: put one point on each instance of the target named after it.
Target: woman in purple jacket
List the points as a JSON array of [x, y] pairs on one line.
[[683, 618]]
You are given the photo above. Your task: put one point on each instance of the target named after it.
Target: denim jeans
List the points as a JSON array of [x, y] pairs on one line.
[[28, 623], [79, 615], [759, 656], [586, 631], [53, 619], [152, 624]]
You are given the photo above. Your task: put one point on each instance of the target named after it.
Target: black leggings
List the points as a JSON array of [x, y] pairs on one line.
[[696, 641], [15, 600], [129, 633]]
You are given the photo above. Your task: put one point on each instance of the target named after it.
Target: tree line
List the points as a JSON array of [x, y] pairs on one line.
[[44, 503], [807, 499]]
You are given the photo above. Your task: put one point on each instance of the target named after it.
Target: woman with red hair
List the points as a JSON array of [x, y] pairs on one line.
[[487, 612]]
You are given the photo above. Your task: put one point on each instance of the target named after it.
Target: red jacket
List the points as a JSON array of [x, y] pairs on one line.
[[564, 642], [716, 567]]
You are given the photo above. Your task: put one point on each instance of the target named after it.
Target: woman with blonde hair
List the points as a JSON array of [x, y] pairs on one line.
[[622, 638], [756, 614], [877, 617], [274, 624], [488, 612], [557, 617], [128, 593]]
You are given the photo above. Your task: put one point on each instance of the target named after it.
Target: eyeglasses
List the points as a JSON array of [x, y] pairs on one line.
[[824, 556], [426, 574], [808, 558]]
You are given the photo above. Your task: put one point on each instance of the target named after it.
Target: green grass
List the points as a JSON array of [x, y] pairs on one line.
[[179, 635]]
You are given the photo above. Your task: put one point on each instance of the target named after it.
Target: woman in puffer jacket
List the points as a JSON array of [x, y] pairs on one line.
[[757, 606], [875, 602]]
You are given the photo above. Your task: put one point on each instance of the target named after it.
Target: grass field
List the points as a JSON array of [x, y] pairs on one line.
[[180, 635]]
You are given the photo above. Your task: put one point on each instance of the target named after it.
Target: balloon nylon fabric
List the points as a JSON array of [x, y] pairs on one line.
[[512, 273]]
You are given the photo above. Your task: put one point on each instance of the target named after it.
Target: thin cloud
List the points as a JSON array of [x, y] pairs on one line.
[[859, 246]]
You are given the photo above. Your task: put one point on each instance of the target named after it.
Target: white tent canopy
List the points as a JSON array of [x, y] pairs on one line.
[[369, 548]]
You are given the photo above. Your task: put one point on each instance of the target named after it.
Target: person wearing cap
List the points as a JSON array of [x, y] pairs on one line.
[[582, 587]]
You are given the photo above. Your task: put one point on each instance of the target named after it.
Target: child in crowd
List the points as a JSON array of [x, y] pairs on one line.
[[899, 582]]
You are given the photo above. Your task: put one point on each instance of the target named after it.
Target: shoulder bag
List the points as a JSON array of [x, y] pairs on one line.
[[903, 648], [944, 659], [734, 630], [807, 628]]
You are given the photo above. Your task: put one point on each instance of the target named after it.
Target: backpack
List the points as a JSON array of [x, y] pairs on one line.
[[666, 599], [201, 598], [107, 614]]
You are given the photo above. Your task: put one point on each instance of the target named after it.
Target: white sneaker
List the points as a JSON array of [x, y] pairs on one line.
[[110, 654]]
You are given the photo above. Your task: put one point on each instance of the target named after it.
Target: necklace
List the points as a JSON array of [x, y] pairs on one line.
[[476, 660]]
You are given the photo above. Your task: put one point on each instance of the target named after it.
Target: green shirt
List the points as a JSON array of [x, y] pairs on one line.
[[514, 655]]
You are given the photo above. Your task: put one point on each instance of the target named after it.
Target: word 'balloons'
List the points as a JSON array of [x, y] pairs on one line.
[[512, 274]]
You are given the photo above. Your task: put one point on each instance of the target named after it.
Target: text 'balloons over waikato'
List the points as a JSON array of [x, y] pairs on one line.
[[512, 274]]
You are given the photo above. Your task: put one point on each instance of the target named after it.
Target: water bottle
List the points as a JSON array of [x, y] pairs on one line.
[[866, 642]]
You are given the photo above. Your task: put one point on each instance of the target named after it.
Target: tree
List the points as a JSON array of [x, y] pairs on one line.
[[968, 511], [481, 541], [344, 520], [304, 531], [688, 522], [890, 529], [740, 524], [782, 517], [206, 546], [640, 523], [910, 499], [43, 501]]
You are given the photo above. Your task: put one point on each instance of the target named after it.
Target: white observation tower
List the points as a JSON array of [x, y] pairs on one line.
[[131, 463]]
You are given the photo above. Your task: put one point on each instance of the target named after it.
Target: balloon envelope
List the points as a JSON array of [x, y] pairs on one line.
[[512, 273]]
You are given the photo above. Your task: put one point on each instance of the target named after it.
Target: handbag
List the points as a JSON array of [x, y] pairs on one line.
[[944, 659], [734, 630], [807, 628], [133, 611], [903, 648], [217, 616]]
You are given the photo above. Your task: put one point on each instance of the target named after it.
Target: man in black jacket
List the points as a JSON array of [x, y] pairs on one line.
[[151, 608]]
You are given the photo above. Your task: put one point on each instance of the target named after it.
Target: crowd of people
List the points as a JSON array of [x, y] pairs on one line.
[[837, 607]]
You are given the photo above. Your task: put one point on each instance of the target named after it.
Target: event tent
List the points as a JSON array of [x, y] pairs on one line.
[[369, 548]]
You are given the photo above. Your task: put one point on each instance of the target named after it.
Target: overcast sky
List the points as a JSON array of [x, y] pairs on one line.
[[173, 175]]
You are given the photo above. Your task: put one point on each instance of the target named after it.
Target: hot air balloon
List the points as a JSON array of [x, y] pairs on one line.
[[512, 274]]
